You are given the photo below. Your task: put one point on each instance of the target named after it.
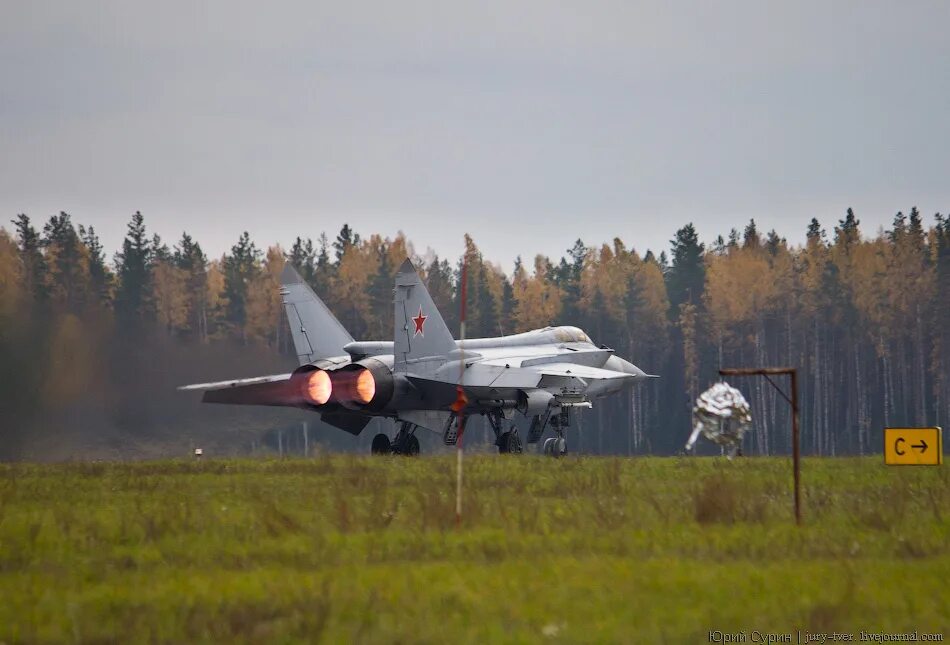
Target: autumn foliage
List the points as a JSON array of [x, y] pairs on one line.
[[864, 318]]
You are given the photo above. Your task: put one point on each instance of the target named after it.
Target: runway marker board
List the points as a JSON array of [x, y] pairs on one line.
[[913, 447]]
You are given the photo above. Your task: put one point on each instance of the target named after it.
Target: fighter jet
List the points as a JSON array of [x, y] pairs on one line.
[[424, 378]]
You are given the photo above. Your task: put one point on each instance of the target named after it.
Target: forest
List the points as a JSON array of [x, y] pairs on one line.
[[91, 349]]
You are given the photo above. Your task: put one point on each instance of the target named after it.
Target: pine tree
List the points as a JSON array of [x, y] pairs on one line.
[[344, 240], [719, 245], [733, 242], [940, 352], [439, 282], [472, 262], [687, 273], [773, 243], [191, 261], [486, 305], [381, 297], [507, 322], [846, 232], [302, 257], [159, 250], [132, 302], [68, 268], [750, 238], [99, 275], [568, 278], [34, 264], [10, 288], [240, 268], [815, 233]]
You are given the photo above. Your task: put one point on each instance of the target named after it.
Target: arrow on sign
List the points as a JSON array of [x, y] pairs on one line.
[[922, 446]]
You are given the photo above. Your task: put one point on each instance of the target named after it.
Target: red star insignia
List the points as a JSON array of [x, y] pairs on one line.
[[420, 322]]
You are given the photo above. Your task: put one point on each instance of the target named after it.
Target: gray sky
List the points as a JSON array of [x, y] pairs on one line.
[[527, 124]]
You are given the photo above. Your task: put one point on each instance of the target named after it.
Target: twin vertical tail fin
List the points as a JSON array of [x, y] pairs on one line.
[[419, 330], [316, 331]]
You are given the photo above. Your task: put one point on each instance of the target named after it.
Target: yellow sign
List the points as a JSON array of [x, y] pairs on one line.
[[913, 447]]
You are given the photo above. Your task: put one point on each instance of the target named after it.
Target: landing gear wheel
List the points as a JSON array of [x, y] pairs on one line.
[[405, 442], [381, 445], [555, 447], [510, 443]]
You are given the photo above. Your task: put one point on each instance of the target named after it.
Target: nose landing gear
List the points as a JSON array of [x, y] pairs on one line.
[[555, 446]]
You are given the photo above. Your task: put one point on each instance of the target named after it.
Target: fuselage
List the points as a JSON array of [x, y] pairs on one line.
[[424, 377], [501, 372]]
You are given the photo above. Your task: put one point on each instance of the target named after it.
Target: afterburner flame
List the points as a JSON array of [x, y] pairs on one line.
[[365, 386], [317, 388]]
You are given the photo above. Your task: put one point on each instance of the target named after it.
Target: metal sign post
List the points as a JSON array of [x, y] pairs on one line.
[[793, 400]]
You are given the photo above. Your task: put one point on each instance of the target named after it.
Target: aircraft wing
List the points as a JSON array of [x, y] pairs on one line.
[[578, 371], [220, 385], [271, 390], [592, 357], [495, 373], [260, 390]]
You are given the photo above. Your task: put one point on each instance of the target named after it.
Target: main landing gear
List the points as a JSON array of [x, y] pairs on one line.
[[508, 441], [404, 443]]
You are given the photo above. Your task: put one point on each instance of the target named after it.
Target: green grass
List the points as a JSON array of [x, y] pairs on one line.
[[360, 549]]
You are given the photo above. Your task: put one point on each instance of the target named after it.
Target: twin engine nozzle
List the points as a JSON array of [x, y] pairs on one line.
[[367, 384], [316, 387]]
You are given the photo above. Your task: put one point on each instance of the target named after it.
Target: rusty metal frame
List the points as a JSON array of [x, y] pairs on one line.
[[793, 400]]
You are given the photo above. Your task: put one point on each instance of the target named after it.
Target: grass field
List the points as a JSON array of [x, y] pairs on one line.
[[360, 549]]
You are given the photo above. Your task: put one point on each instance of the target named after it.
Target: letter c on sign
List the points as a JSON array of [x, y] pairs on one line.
[[897, 444]]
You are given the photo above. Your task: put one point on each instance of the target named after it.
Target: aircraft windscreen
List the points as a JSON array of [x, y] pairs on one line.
[[575, 335]]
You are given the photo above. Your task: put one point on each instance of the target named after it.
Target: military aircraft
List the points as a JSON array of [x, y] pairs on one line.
[[425, 378]]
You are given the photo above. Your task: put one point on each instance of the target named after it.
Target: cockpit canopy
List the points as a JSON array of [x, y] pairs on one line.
[[569, 334]]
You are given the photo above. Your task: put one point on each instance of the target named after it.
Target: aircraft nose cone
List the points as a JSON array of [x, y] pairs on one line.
[[621, 365], [632, 369]]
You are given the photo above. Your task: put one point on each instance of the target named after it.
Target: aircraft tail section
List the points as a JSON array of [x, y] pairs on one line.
[[420, 332], [315, 330]]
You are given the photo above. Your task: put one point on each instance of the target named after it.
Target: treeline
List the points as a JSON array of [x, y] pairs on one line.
[[863, 317]]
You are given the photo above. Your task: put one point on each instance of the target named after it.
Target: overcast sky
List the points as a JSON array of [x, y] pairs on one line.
[[526, 124]]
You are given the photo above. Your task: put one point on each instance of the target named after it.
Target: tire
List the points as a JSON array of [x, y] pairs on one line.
[[555, 447], [510, 443], [381, 445]]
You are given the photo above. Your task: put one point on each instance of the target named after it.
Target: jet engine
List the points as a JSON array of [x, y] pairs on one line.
[[314, 386], [366, 384]]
